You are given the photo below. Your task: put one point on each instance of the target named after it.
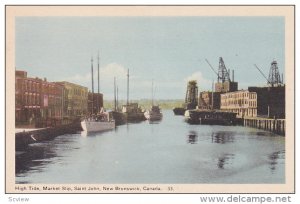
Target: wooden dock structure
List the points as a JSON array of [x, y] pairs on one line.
[[276, 126]]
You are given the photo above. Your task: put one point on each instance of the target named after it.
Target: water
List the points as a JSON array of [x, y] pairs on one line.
[[170, 151]]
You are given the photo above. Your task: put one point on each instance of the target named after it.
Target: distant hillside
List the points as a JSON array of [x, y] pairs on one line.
[[146, 103]]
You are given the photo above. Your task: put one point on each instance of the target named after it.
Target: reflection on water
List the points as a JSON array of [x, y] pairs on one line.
[[275, 158], [222, 137], [34, 158], [143, 153], [192, 137], [225, 160]]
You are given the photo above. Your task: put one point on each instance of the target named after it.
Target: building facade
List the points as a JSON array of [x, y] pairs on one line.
[[37, 102], [227, 86], [95, 102], [270, 101], [242, 102], [76, 100]]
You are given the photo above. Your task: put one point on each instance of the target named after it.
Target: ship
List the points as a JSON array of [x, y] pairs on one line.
[[154, 114], [210, 117], [100, 121]]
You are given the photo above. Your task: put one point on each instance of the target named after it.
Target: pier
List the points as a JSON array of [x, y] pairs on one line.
[[276, 126], [23, 139]]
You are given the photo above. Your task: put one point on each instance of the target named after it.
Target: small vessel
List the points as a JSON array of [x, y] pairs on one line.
[[154, 114], [118, 116], [98, 123], [210, 117], [101, 121], [179, 111], [132, 112]]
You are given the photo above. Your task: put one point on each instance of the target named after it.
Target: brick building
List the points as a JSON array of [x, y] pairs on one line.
[[242, 102], [37, 101]]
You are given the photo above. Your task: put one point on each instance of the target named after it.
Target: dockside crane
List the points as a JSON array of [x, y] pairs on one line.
[[262, 73], [223, 73]]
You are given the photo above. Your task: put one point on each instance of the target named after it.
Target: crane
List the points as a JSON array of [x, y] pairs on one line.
[[212, 67], [262, 73]]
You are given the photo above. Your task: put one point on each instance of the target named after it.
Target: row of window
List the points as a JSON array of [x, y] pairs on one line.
[[239, 95]]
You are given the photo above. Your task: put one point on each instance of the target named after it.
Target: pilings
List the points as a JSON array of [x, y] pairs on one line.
[[273, 125]]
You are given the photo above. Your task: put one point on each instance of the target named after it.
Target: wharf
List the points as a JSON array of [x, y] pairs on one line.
[[24, 138], [276, 126]]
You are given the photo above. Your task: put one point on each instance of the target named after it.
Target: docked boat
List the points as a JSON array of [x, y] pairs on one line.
[[179, 111], [101, 122], [133, 113], [210, 117], [154, 114]]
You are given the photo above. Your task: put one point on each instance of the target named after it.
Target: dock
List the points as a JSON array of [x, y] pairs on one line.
[[276, 126], [24, 138]]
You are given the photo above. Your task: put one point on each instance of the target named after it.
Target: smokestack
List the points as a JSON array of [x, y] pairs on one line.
[[282, 78], [229, 74], [232, 75]]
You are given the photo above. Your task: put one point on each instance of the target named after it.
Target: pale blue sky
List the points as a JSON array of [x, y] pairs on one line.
[[170, 50]]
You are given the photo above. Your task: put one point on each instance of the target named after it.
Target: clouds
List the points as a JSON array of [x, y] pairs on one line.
[[203, 83], [139, 87]]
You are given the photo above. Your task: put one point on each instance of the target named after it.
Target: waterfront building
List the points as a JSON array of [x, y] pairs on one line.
[[76, 100], [97, 104], [270, 101], [37, 101], [243, 102]]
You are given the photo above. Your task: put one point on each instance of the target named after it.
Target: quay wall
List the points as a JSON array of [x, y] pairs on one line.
[[23, 139], [276, 126]]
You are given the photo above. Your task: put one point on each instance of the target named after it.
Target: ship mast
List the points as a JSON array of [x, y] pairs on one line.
[[115, 99], [92, 85], [127, 87], [98, 96]]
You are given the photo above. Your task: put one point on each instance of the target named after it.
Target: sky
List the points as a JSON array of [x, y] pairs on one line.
[[168, 50]]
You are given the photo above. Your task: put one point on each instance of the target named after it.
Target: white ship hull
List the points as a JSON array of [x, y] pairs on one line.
[[97, 126]]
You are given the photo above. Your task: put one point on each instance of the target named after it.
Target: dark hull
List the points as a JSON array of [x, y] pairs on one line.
[[211, 118], [119, 117], [134, 117], [179, 111]]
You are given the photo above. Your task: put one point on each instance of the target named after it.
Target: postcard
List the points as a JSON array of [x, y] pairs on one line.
[[150, 99]]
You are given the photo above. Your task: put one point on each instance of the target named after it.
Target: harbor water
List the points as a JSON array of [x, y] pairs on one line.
[[169, 151]]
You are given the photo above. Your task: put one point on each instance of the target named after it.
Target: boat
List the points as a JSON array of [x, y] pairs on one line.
[[98, 123], [210, 117], [118, 116], [179, 111], [101, 121], [153, 114], [132, 112]]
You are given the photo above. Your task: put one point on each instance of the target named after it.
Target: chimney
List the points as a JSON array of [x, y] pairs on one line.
[[232, 75]]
